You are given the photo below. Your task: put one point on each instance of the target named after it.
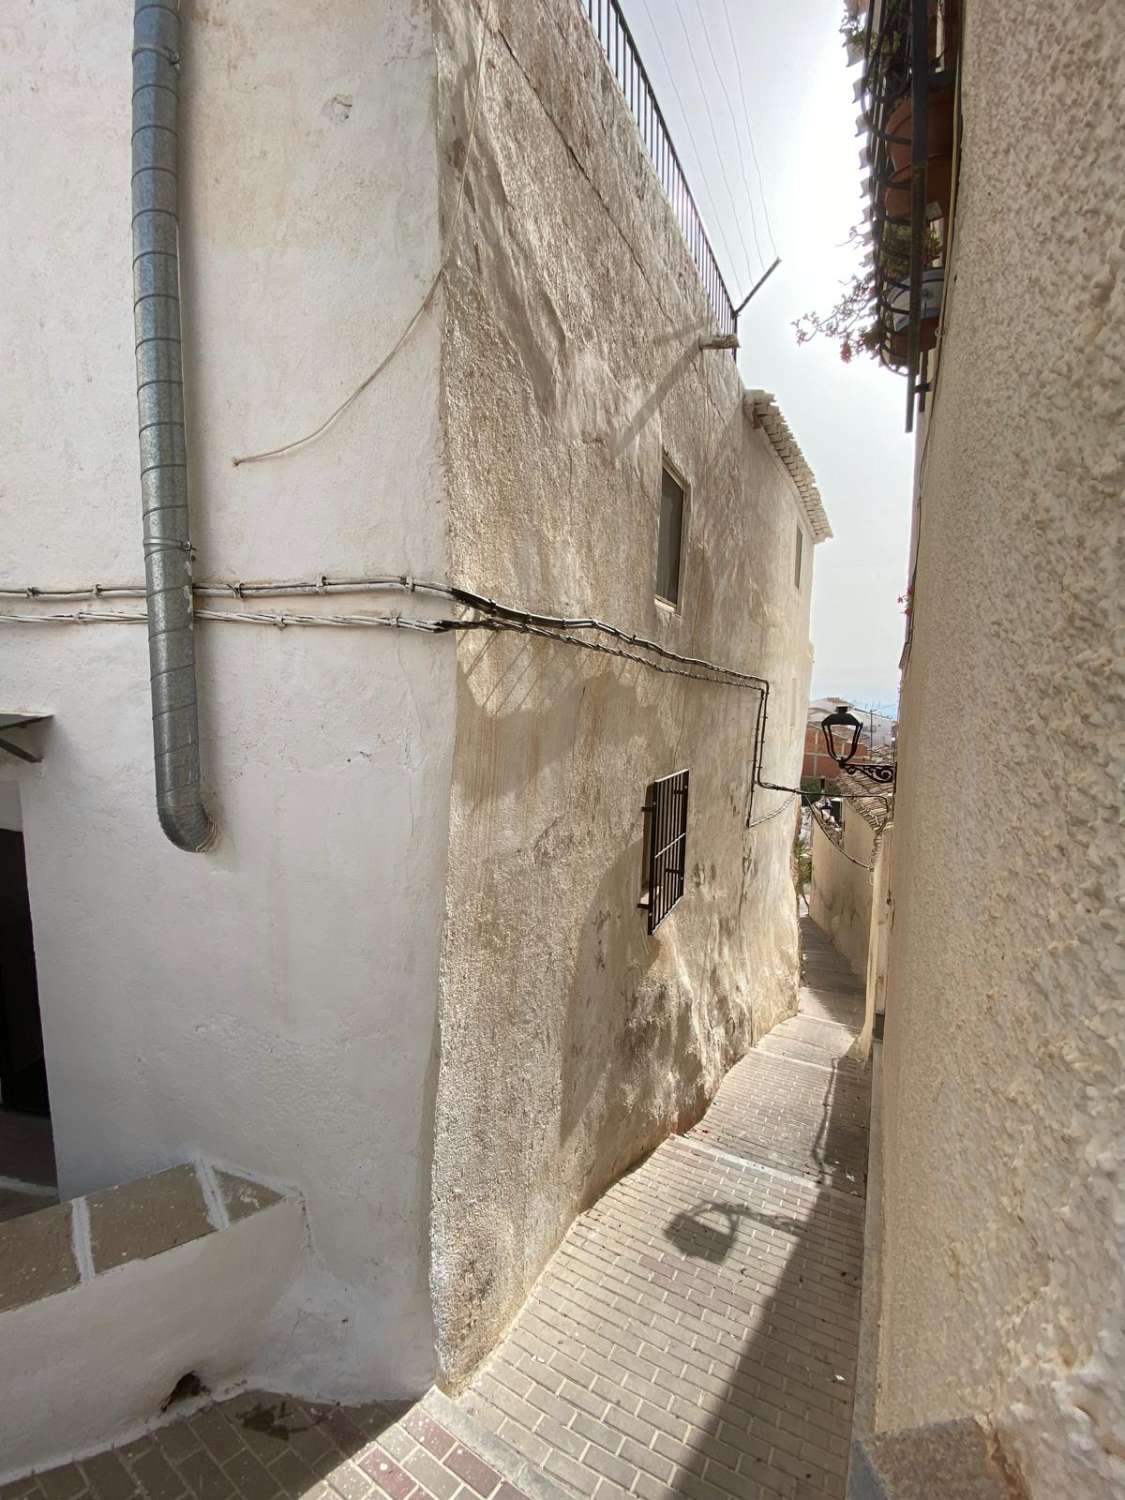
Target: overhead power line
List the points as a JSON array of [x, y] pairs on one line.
[[737, 55], [719, 152], [703, 181], [737, 134]]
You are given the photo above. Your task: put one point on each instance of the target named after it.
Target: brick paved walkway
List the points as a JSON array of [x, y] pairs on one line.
[[695, 1335]]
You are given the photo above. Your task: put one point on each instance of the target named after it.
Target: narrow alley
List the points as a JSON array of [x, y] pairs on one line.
[[695, 1334]]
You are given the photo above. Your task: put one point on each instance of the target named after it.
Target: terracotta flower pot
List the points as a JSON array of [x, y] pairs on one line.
[[939, 128], [927, 338], [939, 179]]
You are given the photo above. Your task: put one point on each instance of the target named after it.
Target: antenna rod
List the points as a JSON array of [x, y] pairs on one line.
[[757, 286]]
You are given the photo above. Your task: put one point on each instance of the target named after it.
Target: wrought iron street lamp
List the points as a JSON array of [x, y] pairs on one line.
[[841, 736]]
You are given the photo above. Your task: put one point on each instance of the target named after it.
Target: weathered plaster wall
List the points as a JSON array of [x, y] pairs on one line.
[[882, 919], [840, 898], [1005, 1114], [272, 1003], [571, 1042]]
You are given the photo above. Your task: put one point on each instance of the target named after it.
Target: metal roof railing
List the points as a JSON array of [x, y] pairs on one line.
[[620, 50]]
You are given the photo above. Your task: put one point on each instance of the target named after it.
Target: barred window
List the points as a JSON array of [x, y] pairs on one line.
[[798, 558], [665, 846]]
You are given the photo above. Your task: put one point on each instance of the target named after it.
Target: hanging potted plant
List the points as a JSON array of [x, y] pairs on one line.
[[899, 191], [861, 321], [853, 29], [898, 126]]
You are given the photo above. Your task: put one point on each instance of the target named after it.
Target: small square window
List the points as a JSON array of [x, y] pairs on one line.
[[665, 846], [798, 555], [671, 538]]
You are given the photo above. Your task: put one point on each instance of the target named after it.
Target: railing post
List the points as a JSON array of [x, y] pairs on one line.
[[919, 91], [620, 51]]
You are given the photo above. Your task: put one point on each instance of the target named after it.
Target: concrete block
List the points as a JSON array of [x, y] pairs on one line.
[[36, 1257], [110, 1300]]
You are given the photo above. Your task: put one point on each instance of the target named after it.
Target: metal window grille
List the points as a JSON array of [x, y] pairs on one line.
[[665, 845], [624, 60]]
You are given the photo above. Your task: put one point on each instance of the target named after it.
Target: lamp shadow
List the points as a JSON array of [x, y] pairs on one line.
[[779, 1291]]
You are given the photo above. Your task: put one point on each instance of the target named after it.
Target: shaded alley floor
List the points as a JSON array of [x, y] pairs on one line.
[[696, 1332], [694, 1335]]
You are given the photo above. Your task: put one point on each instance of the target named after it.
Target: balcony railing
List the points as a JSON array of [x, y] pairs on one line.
[[907, 91], [612, 31]]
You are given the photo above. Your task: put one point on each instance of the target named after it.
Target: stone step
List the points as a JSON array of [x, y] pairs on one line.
[[472, 1423]]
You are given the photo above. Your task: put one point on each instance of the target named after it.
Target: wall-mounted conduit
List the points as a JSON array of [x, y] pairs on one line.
[[163, 436]]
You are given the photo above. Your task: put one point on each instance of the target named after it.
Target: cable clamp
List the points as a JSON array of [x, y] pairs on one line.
[[32, 593], [169, 54], [322, 584]]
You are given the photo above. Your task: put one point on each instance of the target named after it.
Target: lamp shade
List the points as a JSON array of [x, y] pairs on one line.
[[841, 734]]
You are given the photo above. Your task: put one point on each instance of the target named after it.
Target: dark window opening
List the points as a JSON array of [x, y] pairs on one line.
[[798, 557], [670, 540], [665, 846]]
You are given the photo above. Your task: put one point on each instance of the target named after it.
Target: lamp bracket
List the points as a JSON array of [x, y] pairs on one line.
[[880, 771]]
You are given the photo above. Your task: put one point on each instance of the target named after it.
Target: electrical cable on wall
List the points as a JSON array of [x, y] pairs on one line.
[[833, 841], [494, 615], [497, 616], [765, 818], [301, 442]]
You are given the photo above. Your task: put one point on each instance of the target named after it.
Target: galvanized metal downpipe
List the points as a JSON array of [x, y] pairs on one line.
[[163, 438]]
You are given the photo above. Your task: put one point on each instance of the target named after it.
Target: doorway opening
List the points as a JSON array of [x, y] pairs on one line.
[[27, 1158]]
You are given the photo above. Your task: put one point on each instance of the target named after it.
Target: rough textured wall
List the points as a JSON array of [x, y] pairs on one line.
[[272, 1003], [1005, 1058], [571, 1042], [840, 899]]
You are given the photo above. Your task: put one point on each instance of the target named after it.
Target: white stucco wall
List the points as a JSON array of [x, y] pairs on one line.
[[273, 1003], [840, 896], [1004, 1189], [571, 1041]]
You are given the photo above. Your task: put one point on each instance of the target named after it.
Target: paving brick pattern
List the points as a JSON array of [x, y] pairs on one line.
[[265, 1447], [797, 1117], [696, 1333]]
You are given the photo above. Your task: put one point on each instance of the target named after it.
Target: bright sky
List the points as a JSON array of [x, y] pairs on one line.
[[848, 419]]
